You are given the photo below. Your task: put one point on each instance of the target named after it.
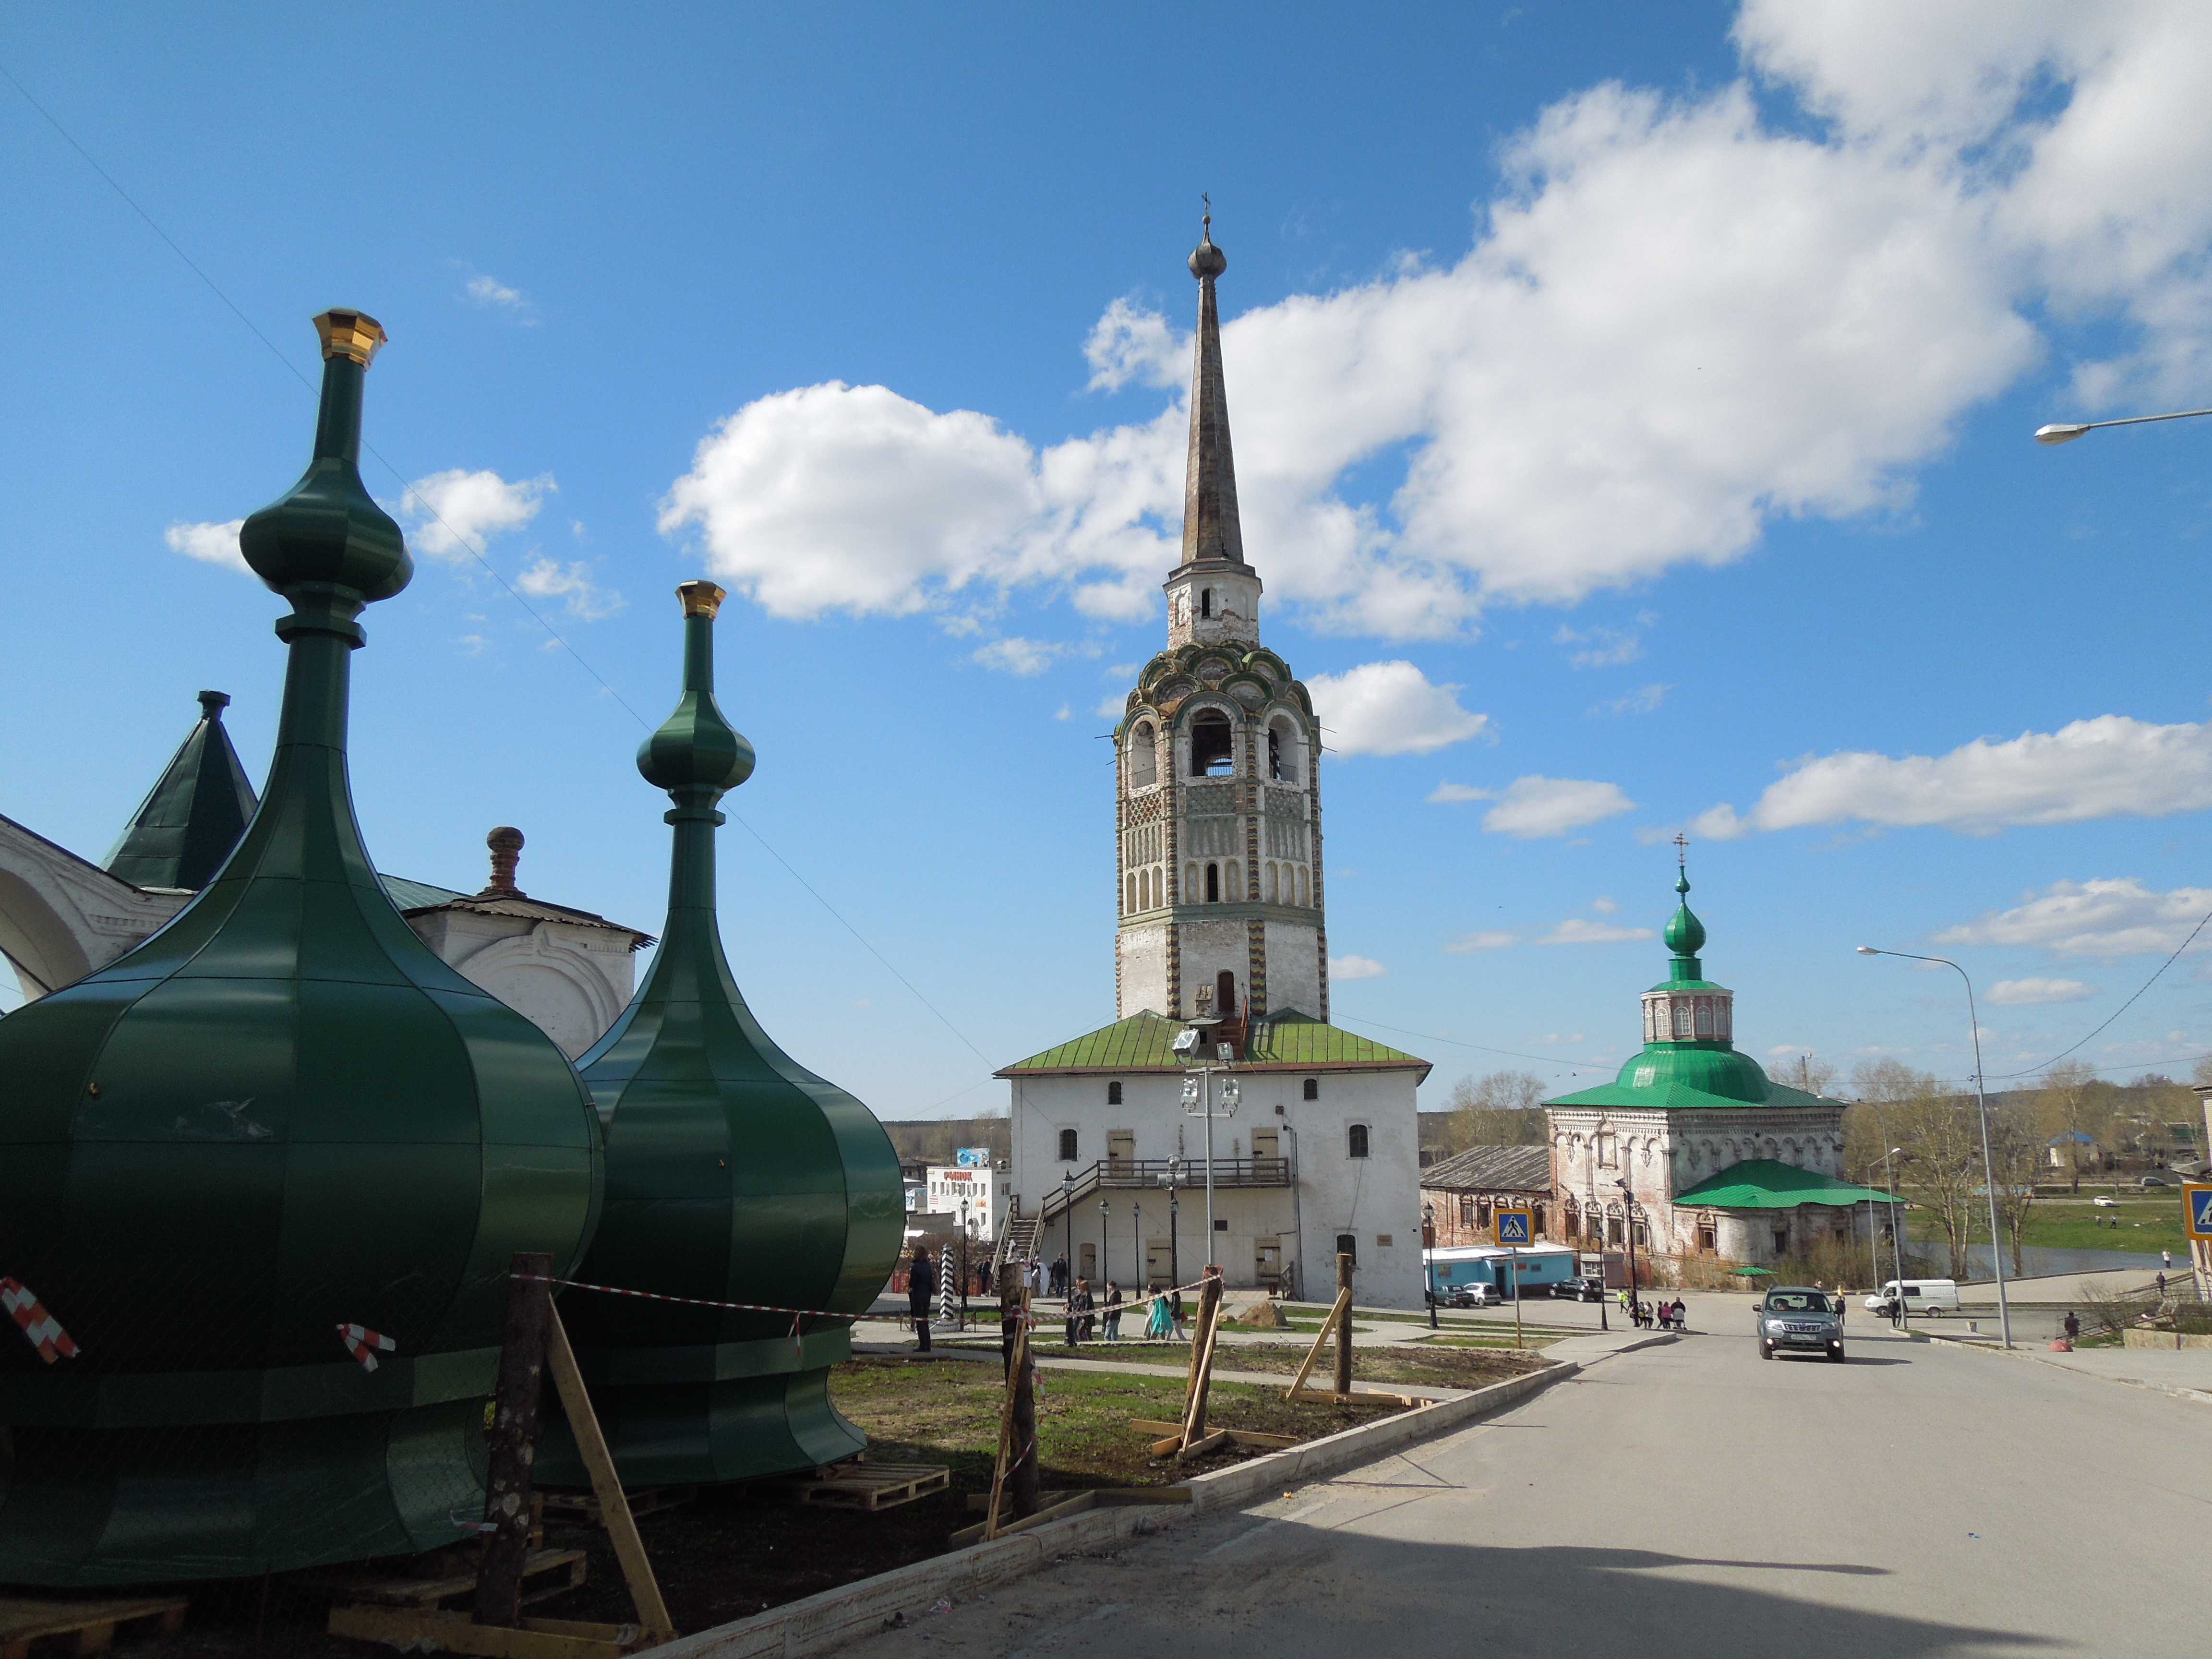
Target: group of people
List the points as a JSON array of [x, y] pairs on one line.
[[1089, 1316], [1666, 1316]]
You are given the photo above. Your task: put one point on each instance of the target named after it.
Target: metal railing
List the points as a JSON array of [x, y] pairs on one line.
[[1129, 1174]]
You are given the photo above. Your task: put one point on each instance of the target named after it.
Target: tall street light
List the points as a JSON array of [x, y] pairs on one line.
[[1198, 1096], [1143, 1276], [1982, 1102], [2065, 432], [1067, 1226], [1429, 1257], [1102, 1274]]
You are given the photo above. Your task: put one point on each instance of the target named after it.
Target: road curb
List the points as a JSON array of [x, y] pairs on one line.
[[1972, 1345], [834, 1617]]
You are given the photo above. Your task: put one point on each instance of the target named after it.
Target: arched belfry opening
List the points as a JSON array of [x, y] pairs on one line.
[[1212, 745]]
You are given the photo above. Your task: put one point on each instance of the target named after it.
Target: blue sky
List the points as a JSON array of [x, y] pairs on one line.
[[1631, 416]]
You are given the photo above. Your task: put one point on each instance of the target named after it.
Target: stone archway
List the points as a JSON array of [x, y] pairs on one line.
[[61, 916]]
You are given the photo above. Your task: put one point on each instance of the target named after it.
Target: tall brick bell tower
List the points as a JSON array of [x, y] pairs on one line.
[[1217, 781]]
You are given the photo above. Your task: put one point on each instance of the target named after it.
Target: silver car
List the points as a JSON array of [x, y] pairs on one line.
[[1797, 1319]]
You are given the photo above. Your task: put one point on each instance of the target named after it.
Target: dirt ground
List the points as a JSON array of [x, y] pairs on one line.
[[1454, 1367], [732, 1551]]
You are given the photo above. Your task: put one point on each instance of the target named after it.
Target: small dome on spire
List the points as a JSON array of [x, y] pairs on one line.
[[1206, 259], [1685, 934]]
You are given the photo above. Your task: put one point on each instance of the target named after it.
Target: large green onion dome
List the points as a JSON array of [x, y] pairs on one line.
[[279, 1116], [733, 1174]]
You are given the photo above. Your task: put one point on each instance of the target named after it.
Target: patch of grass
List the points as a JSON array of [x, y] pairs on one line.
[[2146, 1226]]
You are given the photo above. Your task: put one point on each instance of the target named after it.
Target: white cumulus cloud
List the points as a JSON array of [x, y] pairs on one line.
[[550, 579], [2033, 992], [1356, 968], [1390, 708], [1579, 930], [490, 292], [451, 514], [1128, 344], [217, 543], [1486, 939], [2103, 917], [1537, 806], [1017, 656], [2109, 767]]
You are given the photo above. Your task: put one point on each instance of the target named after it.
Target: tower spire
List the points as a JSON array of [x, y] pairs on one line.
[[1210, 527]]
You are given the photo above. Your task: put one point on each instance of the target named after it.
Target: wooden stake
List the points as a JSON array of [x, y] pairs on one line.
[[1209, 1322], [1342, 1305], [1344, 1324], [512, 1441], [614, 1507]]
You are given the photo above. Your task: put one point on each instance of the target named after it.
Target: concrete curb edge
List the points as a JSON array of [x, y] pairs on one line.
[[817, 1623]]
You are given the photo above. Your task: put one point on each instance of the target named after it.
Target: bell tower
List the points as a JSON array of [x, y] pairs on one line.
[[1218, 872]]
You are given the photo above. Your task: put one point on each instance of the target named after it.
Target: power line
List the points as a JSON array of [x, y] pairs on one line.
[[1572, 1070], [2118, 1011], [474, 551]]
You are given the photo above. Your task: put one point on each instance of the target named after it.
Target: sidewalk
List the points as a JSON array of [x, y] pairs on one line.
[[2186, 1373]]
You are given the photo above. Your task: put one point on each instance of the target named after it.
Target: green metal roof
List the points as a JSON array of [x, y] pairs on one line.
[[1761, 1183], [1142, 1042], [196, 813], [416, 894], [1691, 1076]]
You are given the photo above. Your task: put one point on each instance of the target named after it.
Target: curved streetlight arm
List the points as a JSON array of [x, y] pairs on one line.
[[1981, 1103], [2065, 432]]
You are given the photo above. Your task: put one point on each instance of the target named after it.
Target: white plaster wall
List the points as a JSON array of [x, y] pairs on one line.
[[1293, 969], [1370, 1197], [1144, 970], [1209, 949], [567, 981]]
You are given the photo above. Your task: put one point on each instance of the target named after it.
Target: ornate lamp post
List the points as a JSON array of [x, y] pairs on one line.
[[1102, 1244], [963, 1264], [1137, 1241], [1628, 1229], [1429, 1257], [1067, 1226]]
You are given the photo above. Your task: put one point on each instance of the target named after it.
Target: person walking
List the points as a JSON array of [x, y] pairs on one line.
[[1162, 1323], [2165, 1259], [921, 1289], [1059, 1274], [1082, 1303], [2073, 1325], [1035, 1277], [1113, 1311], [1176, 1307]]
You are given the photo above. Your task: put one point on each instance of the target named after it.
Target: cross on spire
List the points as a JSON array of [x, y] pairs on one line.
[[1681, 850]]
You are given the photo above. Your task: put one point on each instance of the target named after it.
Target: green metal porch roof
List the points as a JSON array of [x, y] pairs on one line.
[[1763, 1184], [1288, 1041]]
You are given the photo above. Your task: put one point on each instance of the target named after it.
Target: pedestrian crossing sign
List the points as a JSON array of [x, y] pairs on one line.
[[2196, 1206], [1515, 1226]]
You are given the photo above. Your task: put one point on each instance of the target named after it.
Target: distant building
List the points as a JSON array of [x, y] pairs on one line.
[[975, 1195], [2074, 1151], [1463, 1191], [1219, 891], [569, 972], [1692, 1150]]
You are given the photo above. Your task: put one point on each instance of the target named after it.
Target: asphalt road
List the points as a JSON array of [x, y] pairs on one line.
[[1690, 1499]]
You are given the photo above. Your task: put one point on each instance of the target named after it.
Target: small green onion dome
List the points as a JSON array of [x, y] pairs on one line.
[[696, 748], [1685, 934]]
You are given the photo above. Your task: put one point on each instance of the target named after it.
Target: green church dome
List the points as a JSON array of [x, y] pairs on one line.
[[1685, 934], [733, 1174], [279, 1116]]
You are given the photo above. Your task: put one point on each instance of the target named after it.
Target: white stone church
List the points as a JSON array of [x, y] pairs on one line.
[[1219, 890]]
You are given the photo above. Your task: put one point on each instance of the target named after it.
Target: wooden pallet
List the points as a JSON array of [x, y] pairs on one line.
[[585, 1506], [871, 1486], [94, 1624], [546, 1567]]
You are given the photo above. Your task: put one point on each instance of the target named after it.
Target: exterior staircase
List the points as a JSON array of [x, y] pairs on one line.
[[1017, 1242]]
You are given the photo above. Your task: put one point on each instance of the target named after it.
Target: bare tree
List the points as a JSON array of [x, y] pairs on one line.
[[1940, 1135], [2063, 1102], [1504, 1108], [2014, 1145], [1810, 1071]]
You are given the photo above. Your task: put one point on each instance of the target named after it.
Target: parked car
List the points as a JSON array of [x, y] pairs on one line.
[[1797, 1319], [1469, 1296], [2105, 1203], [1588, 1288], [2159, 1178], [1920, 1296]]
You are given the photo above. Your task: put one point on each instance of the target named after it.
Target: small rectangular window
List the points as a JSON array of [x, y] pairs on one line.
[[1356, 1140], [1313, 1088], [1348, 1245], [1221, 1224], [1113, 1094], [1068, 1145]]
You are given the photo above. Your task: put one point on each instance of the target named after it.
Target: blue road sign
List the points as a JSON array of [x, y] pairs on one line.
[[1514, 1227], [2199, 1200]]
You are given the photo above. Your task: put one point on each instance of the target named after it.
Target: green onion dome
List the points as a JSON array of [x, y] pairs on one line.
[[280, 1115], [733, 1174], [1685, 934]]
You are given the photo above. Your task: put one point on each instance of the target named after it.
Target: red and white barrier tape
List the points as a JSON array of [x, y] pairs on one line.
[[365, 1344], [43, 1330]]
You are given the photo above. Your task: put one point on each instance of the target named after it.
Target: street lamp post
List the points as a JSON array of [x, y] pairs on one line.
[[1198, 1098], [1628, 1229], [1896, 1244], [2065, 432], [1143, 1275], [1067, 1226], [963, 1264], [1429, 1257], [1102, 1274], [1981, 1099]]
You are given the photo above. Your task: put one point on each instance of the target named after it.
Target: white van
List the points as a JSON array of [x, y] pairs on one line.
[[1922, 1295]]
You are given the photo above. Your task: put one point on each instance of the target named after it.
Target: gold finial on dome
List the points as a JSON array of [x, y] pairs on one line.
[[701, 599], [352, 334]]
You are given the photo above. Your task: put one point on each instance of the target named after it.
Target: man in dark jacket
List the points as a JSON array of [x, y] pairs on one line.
[[921, 1289]]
